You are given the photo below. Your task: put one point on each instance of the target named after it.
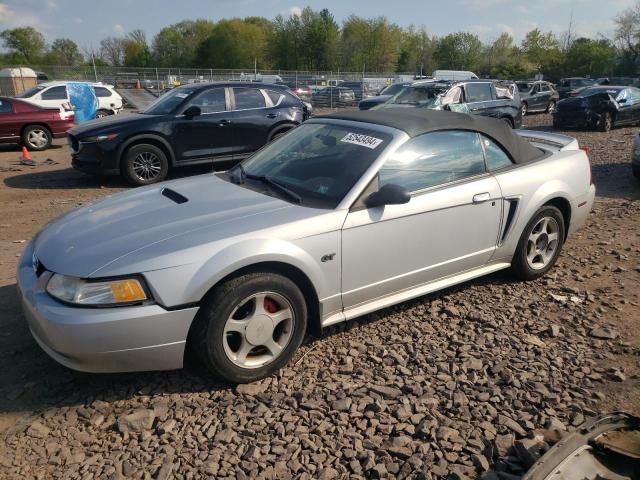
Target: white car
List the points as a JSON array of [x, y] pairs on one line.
[[54, 95]]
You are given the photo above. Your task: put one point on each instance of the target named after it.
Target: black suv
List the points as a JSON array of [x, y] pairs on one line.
[[491, 98], [192, 124]]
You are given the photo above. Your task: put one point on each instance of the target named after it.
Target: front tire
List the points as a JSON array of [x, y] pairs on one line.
[[551, 108], [144, 164], [524, 108], [250, 326], [636, 171], [103, 113], [540, 244], [606, 122], [36, 138]]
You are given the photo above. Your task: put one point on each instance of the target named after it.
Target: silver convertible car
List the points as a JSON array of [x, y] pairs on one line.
[[344, 215]]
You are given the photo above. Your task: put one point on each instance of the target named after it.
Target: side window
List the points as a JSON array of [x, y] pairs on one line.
[[635, 96], [276, 97], [453, 96], [102, 92], [478, 92], [544, 87], [434, 159], [247, 98], [211, 101], [55, 93], [495, 155], [5, 107]]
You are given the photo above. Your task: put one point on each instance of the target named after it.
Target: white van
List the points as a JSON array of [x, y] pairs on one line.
[[54, 95], [454, 75]]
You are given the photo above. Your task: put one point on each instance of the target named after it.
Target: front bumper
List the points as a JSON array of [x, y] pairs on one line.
[[95, 158], [121, 339]]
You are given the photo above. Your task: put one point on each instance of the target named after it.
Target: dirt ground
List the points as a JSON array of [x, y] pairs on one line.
[[600, 264]]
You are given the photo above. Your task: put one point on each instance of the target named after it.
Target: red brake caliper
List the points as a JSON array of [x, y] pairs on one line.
[[270, 306]]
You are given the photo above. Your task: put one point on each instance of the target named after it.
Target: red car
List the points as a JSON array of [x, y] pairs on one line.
[[30, 125]]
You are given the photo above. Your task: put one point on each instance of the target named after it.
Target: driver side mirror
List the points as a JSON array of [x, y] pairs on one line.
[[388, 194], [192, 111]]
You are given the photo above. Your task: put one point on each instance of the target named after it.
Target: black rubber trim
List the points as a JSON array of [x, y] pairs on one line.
[[513, 206]]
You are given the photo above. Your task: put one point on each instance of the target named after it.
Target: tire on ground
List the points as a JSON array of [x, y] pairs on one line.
[[36, 129], [128, 164], [519, 264], [605, 122], [207, 336]]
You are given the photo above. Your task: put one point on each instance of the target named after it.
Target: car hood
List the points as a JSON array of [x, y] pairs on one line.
[[108, 123], [87, 239]]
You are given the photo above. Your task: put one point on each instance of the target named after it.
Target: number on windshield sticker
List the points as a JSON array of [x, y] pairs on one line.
[[362, 140]]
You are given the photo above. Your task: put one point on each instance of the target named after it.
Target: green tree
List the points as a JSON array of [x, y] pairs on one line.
[[542, 51], [286, 41], [234, 43], [627, 38], [26, 42], [112, 51], [177, 44], [64, 51], [590, 57], [416, 51], [458, 51], [136, 50], [319, 34]]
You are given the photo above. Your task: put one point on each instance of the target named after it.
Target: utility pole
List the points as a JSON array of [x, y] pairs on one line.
[[93, 62]]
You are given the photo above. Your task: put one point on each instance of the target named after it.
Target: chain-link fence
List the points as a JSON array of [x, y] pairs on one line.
[[321, 88]]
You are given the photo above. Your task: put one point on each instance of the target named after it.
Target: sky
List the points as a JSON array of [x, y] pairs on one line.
[[88, 21]]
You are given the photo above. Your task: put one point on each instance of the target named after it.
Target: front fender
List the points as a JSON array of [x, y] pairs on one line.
[[189, 283]]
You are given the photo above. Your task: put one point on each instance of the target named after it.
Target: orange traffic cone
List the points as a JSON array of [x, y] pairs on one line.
[[26, 157]]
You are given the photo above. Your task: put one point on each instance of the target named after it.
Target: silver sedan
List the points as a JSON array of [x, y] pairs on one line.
[[342, 216]]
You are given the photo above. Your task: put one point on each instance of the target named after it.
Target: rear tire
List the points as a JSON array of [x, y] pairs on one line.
[[36, 138], [540, 244], [551, 108], [605, 123], [524, 108], [144, 164], [241, 340]]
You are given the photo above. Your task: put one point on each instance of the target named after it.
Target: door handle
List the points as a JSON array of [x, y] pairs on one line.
[[273, 115], [224, 123], [481, 197]]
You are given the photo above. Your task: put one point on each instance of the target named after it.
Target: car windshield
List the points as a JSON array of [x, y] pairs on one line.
[[319, 162], [423, 96], [392, 89], [587, 92], [31, 92], [524, 87], [168, 102]]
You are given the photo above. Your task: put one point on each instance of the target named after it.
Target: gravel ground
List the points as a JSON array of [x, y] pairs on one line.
[[476, 380]]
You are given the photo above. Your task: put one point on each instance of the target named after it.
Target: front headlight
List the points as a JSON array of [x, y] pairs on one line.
[[99, 138], [98, 293]]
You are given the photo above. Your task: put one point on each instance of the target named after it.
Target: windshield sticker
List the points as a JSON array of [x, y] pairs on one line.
[[362, 140], [182, 95]]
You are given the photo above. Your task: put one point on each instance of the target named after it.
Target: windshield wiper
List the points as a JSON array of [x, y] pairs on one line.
[[276, 185]]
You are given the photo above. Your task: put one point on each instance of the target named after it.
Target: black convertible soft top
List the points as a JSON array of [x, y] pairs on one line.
[[416, 121]]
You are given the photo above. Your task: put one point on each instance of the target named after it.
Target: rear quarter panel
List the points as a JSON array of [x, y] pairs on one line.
[[564, 174]]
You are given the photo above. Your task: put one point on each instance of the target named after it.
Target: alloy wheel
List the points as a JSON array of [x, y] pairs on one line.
[[37, 138], [551, 108], [258, 330], [523, 109], [146, 166], [543, 243]]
